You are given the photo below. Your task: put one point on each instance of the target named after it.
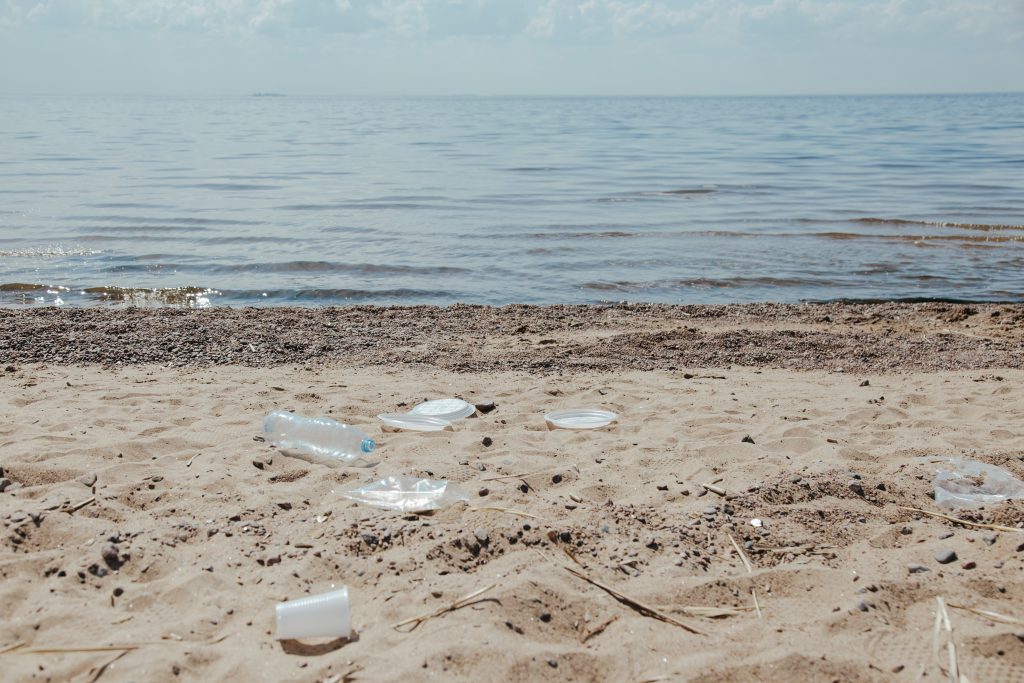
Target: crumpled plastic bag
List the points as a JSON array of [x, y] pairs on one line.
[[972, 484], [407, 494]]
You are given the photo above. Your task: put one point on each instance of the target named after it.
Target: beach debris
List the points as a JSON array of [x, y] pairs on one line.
[[470, 599], [579, 418], [714, 489], [326, 615], [756, 523], [407, 494], [318, 439], [971, 484]]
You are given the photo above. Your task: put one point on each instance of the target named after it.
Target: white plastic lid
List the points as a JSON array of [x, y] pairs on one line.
[[450, 409], [414, 422], [581, 418]]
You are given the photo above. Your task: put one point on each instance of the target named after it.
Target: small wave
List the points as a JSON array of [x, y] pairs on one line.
[[49, 252], [342, 294], [233, 187], [708, 283], [687, 191], [985, 227], [180, 220], [336, 267]]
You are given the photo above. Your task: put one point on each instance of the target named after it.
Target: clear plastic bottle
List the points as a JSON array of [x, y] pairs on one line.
[[318, 439]]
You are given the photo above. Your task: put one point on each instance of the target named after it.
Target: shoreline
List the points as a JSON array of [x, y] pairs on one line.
[[876, 337]]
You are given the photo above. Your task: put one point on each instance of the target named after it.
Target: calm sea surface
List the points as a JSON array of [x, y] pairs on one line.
[[315, 201]]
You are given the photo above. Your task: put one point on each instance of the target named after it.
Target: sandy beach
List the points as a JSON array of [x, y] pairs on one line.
[[144, 517]]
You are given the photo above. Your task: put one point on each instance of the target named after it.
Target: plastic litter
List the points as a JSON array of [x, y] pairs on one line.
[[972, 484], [414, 422], [317, 616], [318, 439], [407, 494], [581, 418], [451, 409]]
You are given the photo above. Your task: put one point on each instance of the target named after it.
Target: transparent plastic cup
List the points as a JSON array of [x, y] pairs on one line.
[[326, 615]]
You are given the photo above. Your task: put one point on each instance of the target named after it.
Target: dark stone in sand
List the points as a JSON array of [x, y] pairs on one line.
[[855, 486], [865, 383], [487, 441], [110, 555], [747, 439], [485, 408]]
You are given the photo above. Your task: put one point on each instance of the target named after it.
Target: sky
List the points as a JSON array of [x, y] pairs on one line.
[[503, 47]]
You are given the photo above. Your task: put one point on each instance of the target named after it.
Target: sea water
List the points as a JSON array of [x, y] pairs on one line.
[[321, 201]]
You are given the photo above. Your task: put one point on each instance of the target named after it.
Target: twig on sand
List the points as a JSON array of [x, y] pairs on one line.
[[632, 603], [11, 648], [743, 556], [597, 630], [753, 594], [714, 489], [993, 616], [492, 508], [964, 522], [715, 612], [458, 604], [73, 650], [942, 623], [79, 506], [189, 463], [102, 669]]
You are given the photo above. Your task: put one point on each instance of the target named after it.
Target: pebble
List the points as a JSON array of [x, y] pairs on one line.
[[747, 439], [969, 564], [88, 479], [945, 556], [487, 441], [943, 536], [482, 536], [711, 510], [990, 540], [483, 492], [557, 479], [110, 555], [485, 408], [855, 486], [917, 568], [906, 530], [865, 383], [553, 663], [4, 483]]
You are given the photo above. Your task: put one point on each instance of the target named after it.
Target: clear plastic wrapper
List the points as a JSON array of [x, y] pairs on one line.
[[973, 484], [407, 494]]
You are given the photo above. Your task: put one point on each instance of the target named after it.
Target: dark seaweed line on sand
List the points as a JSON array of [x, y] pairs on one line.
[[884, 337]]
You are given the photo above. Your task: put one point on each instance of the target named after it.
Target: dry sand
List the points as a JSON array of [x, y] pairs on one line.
[[209, 528]]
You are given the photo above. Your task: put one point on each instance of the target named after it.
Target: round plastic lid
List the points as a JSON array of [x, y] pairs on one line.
[[581, 418], [419, 423], [450, 409]]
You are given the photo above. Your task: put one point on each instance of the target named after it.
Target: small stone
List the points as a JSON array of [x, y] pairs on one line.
[[487, 441], [795, 479], [946, 534], [557, 479], [545, 617], [482, 536], [118, 592], [88, 479], [906, 530], [483, 492], [485, 408], [917, 568], [284, 505], [863, 606], [865, 383], [10, 368], [969, 564], [553, 663], [4, 484], [258, 463], [990, 540], [565, 537], [747, 439], [710, 510], [945, 556], [110, 555], [855, 486]]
